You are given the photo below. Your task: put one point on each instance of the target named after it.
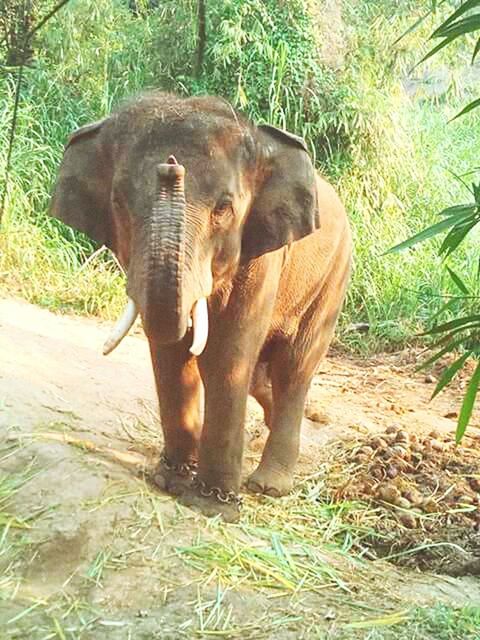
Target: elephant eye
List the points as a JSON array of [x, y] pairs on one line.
[[223, 205]]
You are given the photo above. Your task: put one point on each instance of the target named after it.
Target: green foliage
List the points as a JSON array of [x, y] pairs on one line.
[[458, 221], [386, 152]]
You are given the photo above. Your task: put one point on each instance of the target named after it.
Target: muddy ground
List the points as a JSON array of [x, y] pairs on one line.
[[90, 550]]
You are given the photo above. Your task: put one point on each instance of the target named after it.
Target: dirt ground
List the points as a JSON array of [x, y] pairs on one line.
[[90, 550]]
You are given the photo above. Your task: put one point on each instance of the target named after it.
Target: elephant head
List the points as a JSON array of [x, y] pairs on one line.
[[184, 191]]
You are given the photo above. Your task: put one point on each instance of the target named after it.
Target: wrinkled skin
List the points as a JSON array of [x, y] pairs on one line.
[[252, 228]]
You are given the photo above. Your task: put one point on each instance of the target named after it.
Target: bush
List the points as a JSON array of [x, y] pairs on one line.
[[268, 58]]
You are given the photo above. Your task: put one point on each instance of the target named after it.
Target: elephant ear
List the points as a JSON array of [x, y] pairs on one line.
[[81, 197], [285, 207]]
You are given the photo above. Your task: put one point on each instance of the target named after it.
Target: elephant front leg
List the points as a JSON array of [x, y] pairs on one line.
[[221, 446], [179, 391]]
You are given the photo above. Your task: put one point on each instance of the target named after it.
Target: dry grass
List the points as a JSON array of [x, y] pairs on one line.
[[302, 562]]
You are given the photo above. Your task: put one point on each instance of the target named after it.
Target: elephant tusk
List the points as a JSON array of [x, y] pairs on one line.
[[121, 328], [200, 327]]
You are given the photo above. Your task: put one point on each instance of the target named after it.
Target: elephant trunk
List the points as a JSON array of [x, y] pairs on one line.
[[165, 282], [166, 311]]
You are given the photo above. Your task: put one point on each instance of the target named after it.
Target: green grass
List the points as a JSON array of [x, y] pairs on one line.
[[391, 200], [428, 623], [389, 155]]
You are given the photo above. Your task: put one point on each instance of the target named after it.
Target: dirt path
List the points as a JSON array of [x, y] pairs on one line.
[[91, 551]]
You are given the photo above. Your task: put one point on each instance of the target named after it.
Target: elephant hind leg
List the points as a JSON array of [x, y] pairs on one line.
[[274, 474], [292, 367], [261, 390]]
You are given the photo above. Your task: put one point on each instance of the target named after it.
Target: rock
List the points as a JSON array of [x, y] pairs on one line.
[[391, 437], [429, 505], [402, 437], [386, 453], [377, 473], [392, 471], [392, 429], [451, 415], [416, 458], [317, 416], [429, 379], [413, 496], [437, 445], [400, 451], [361, 458], [378, 443], [474, 484], [359, 327], [403, 503], [408, 520], [366, 450], [389, 493]]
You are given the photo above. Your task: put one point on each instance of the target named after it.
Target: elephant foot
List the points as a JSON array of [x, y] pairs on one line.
[[173, 478], [181, 480], [270, 482], [210, 506]]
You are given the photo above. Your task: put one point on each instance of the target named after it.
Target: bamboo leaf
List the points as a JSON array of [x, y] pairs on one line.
[[467, 404], [436, 49], [463, 8], [416, 24], [426, 234], [459, 27], [459, 210], [451, 346], [472, 105], [449, 373], [476, 50], [458, 281], [445, 307], [476, 193], [455, 324], [455, 237]]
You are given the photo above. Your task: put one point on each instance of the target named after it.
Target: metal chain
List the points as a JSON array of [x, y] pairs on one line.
[[183, 469], [186, 469], [225, 497]]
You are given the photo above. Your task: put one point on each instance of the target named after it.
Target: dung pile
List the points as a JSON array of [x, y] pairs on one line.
[[426, 489]]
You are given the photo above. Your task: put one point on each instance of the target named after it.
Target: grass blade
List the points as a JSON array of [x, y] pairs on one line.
[[445, 307], [460, 210], [416, 24], [475, 51], [436, 49]]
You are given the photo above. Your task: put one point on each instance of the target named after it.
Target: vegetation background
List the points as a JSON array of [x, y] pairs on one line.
[[330, 71], [377, 126]]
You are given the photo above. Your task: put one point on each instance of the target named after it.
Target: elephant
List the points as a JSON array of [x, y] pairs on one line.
[[237, 255]]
